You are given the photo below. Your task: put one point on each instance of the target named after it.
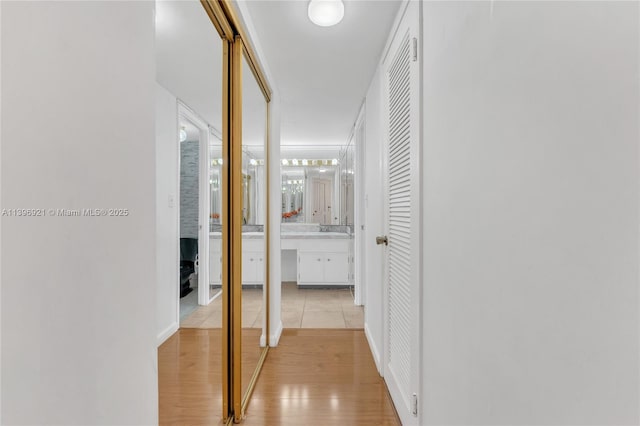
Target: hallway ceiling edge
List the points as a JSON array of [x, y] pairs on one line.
[[322, 73]]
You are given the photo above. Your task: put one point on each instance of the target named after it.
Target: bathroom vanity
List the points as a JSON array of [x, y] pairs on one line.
[[324, 258]]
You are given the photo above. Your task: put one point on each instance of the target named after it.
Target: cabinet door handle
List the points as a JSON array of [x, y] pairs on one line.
[[319, 260], [251, 260], [328, 260]]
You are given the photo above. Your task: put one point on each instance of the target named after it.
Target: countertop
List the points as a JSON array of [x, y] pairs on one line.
[[294, 235]]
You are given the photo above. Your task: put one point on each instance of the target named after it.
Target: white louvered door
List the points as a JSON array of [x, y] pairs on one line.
[[402, 271]]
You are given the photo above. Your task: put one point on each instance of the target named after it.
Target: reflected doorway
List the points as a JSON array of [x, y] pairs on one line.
[[318, 237]]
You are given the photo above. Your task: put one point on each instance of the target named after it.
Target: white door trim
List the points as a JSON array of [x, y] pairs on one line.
[[186, 113], [359, 257]]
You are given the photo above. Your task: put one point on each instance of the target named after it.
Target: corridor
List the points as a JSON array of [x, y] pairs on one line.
[[315, 377]]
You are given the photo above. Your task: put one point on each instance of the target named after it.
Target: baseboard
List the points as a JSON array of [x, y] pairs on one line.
[[374, 350], [168, 332], [275, 337]]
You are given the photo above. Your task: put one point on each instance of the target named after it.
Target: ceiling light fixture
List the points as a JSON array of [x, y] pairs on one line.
[[326, 13]]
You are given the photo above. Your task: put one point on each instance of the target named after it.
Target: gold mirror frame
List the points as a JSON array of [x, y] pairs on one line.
[[235, 45]]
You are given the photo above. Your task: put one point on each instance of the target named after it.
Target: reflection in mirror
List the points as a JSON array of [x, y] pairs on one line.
[[293, 183], [189, 54], [254, 130], [347, 173], [215, 221], [317, 184]]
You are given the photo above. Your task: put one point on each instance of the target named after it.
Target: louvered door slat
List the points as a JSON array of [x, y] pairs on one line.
[[399, 208]]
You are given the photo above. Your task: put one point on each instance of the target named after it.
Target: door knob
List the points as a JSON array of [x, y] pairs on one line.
[[382, 239]]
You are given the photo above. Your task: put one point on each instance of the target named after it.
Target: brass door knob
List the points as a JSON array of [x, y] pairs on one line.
[[382, 239]]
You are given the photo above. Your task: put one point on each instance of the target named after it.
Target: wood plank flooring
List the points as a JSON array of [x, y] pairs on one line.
[[320, 377], [190, 375], [315, 377]]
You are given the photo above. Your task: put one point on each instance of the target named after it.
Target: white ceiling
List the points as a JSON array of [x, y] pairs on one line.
[[322, 73], [189, 58]]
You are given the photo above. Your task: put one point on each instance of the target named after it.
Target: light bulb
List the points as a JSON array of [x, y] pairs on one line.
[[326, 13], [183, 135]]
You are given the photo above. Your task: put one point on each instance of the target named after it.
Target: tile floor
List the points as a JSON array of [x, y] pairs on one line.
[[301, 308], [321, 308]]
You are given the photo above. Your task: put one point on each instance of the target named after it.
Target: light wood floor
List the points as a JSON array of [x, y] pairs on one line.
[[190, 375], [314, 377]]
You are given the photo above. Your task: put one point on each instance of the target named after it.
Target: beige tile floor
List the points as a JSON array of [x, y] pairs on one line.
[[322, 308], [211, 316], [301, 308]]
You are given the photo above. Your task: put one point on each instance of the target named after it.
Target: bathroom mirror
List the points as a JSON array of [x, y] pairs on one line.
[[293, 184], [317, 184], [253, 180]]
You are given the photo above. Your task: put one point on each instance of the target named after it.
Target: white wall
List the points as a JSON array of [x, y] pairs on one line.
[[78, 311], [373, 220], [1, 204], [275, 217], [530, 303], [167, 202]]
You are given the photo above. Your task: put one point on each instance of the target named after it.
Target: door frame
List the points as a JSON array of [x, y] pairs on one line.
[[186, 113], [359, 270], [397, 396]]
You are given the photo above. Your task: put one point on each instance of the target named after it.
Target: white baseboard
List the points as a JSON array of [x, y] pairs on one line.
[[168, 332], [374, 349], [275, 337]]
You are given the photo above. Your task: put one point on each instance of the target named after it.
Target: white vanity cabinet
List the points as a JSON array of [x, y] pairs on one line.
[[215, 261], [324, 263], [253, 261]]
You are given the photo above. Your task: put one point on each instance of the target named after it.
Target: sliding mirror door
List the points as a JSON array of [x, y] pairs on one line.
[[253, 217], [190, 57]]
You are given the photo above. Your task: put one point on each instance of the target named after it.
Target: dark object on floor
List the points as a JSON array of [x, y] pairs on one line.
[[188, 254]]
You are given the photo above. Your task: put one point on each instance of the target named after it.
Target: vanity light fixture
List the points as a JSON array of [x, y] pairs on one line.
[[183, 134], [334, 162], [305, 162], [295, 162], [285, 162], [326, 13]]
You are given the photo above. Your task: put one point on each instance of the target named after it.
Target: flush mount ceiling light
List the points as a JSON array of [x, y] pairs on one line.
[[326, 13]]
